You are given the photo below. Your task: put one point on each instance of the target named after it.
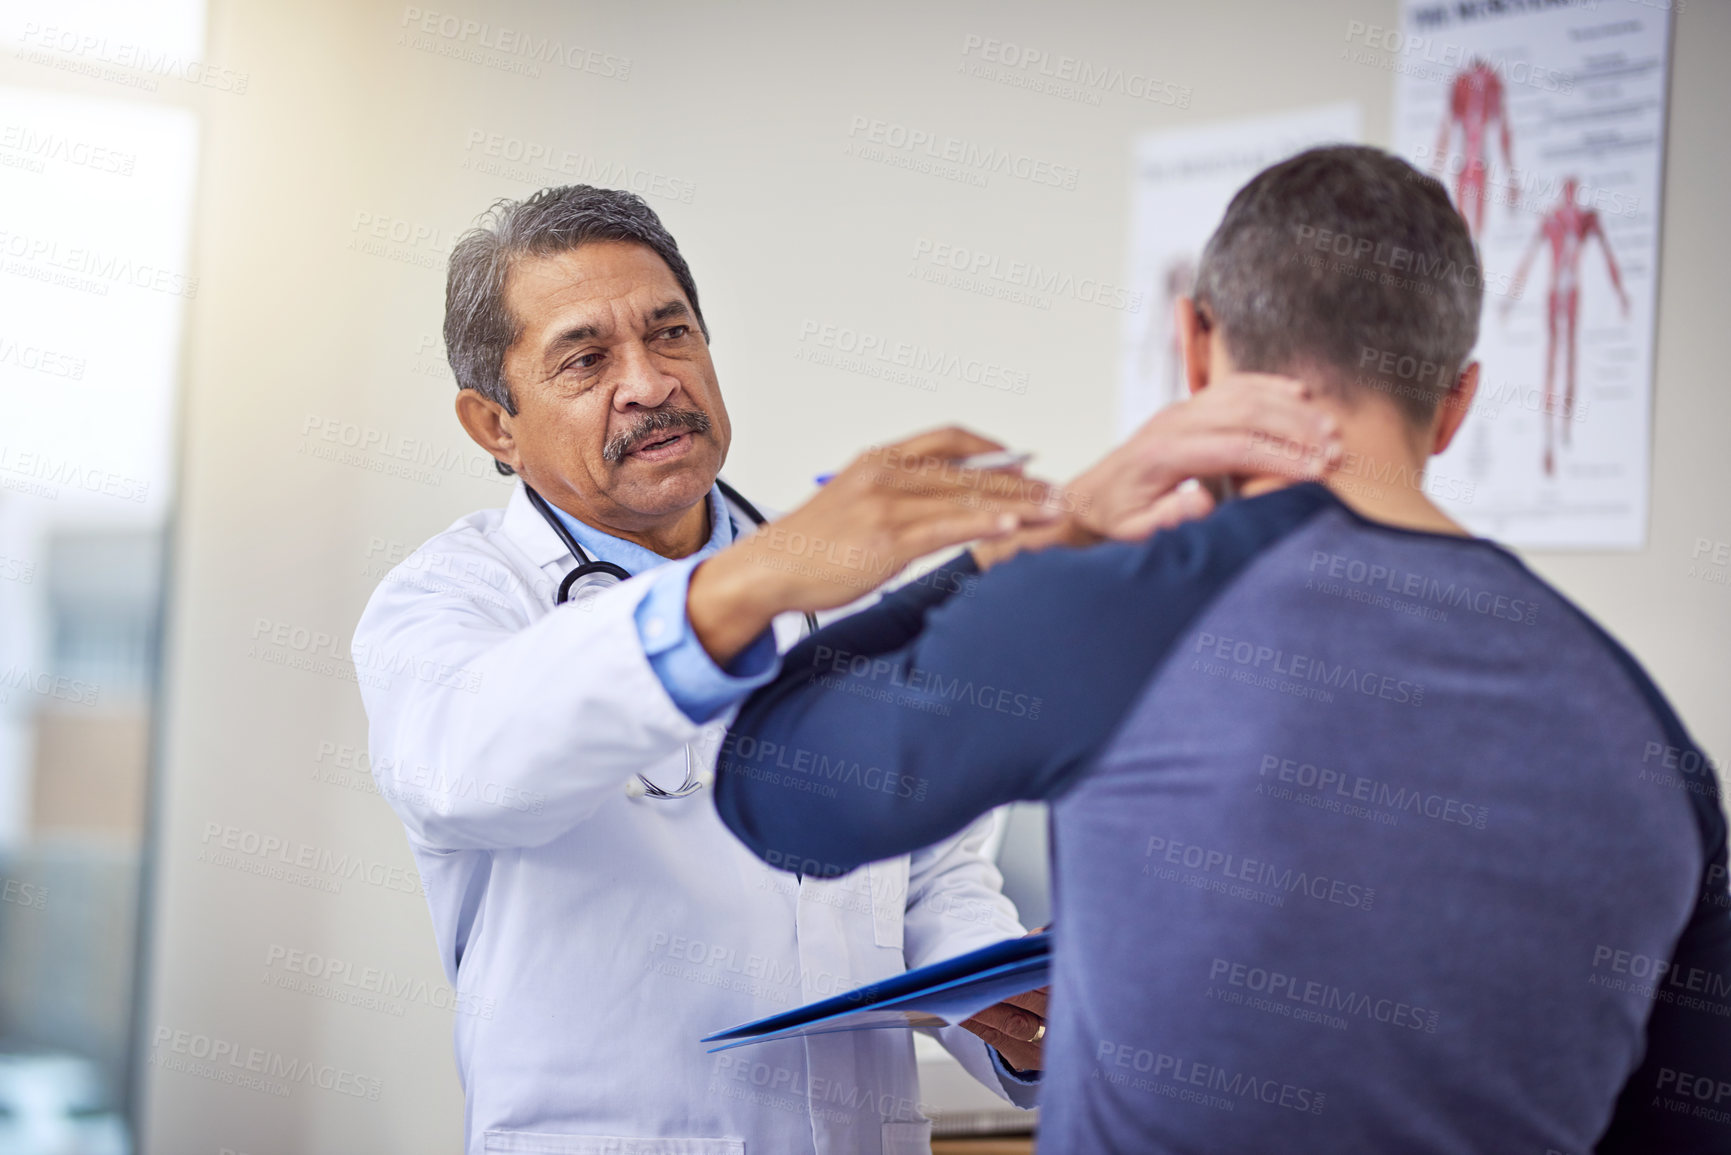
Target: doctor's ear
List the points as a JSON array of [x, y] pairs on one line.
[[1195, 331], [487, 423]]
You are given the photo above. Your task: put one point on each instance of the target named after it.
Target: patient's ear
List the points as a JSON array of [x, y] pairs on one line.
[[1195, 339], [1454, 407]]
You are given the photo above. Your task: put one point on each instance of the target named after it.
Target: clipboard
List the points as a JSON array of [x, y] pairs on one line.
[[939, 995]]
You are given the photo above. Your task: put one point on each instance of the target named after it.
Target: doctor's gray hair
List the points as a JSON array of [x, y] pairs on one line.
[[479, 327], [1347, 261]]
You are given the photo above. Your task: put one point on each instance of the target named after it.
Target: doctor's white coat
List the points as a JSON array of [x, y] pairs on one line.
[[593, 937]]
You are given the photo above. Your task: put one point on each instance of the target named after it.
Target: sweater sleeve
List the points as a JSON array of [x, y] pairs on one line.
[[894, 729]]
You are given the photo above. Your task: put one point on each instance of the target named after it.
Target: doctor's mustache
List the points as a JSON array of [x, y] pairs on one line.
[[653, 427]]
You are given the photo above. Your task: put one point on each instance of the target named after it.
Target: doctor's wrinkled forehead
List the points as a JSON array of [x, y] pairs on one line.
[[479, 327], [1335, 258]]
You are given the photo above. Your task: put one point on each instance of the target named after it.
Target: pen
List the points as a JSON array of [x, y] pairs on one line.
[[997, 459]]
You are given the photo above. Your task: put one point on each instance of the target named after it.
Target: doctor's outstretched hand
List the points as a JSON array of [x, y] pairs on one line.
[[890, 505]]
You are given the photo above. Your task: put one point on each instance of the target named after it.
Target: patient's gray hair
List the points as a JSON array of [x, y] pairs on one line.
[[479, 328], [1349, 261]]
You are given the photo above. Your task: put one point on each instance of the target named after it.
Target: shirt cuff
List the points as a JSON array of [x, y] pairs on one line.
[[700, 688], [1012, 1074]]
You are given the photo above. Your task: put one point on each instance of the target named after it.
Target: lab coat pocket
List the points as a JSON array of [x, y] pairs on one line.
[[908, 1138], [889, 887], [544, 1143]]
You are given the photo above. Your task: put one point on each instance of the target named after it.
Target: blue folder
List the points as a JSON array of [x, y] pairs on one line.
[[938, 995]]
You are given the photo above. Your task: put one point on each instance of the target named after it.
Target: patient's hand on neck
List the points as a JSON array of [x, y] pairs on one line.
[[1381, 471], [1380, 474]]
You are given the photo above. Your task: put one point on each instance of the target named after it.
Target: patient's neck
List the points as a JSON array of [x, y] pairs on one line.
[[1381, 474]]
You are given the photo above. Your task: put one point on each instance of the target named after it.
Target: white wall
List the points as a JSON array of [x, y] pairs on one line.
[[296, 326]]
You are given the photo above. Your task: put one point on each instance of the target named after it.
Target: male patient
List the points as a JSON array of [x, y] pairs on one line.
[[1365, 838]]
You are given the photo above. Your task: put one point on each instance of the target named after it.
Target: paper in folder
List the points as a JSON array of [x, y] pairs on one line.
[[938, 995]]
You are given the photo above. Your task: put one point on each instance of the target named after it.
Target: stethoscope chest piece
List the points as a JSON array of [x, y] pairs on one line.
[[584, 583]]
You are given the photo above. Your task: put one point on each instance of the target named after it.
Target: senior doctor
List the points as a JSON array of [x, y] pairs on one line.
[[566, 667]]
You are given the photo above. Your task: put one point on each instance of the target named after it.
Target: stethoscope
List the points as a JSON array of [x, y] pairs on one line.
[[593, 575]]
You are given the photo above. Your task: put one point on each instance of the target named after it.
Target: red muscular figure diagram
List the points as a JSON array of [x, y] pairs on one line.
[[1567, 227], [1475, 103]]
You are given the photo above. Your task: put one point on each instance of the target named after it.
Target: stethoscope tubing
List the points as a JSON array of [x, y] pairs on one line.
[[590, 567]]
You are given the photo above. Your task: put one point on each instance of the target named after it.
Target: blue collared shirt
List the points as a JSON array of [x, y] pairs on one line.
[[700, 688]]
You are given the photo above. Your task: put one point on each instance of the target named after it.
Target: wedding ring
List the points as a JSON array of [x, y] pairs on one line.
[[1039, 1034]]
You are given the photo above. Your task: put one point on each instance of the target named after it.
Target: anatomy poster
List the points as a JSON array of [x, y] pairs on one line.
[[1547, 125], [1180, 183]]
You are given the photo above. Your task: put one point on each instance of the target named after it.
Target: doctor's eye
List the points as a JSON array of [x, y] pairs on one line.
[[675, 332], [586, 361]]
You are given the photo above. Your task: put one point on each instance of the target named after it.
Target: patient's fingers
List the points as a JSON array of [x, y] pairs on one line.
[[1187, 503], [1277, 410], [1237, 453]]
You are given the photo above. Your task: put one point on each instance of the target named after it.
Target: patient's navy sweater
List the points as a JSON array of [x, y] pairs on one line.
[[1364, 839]]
